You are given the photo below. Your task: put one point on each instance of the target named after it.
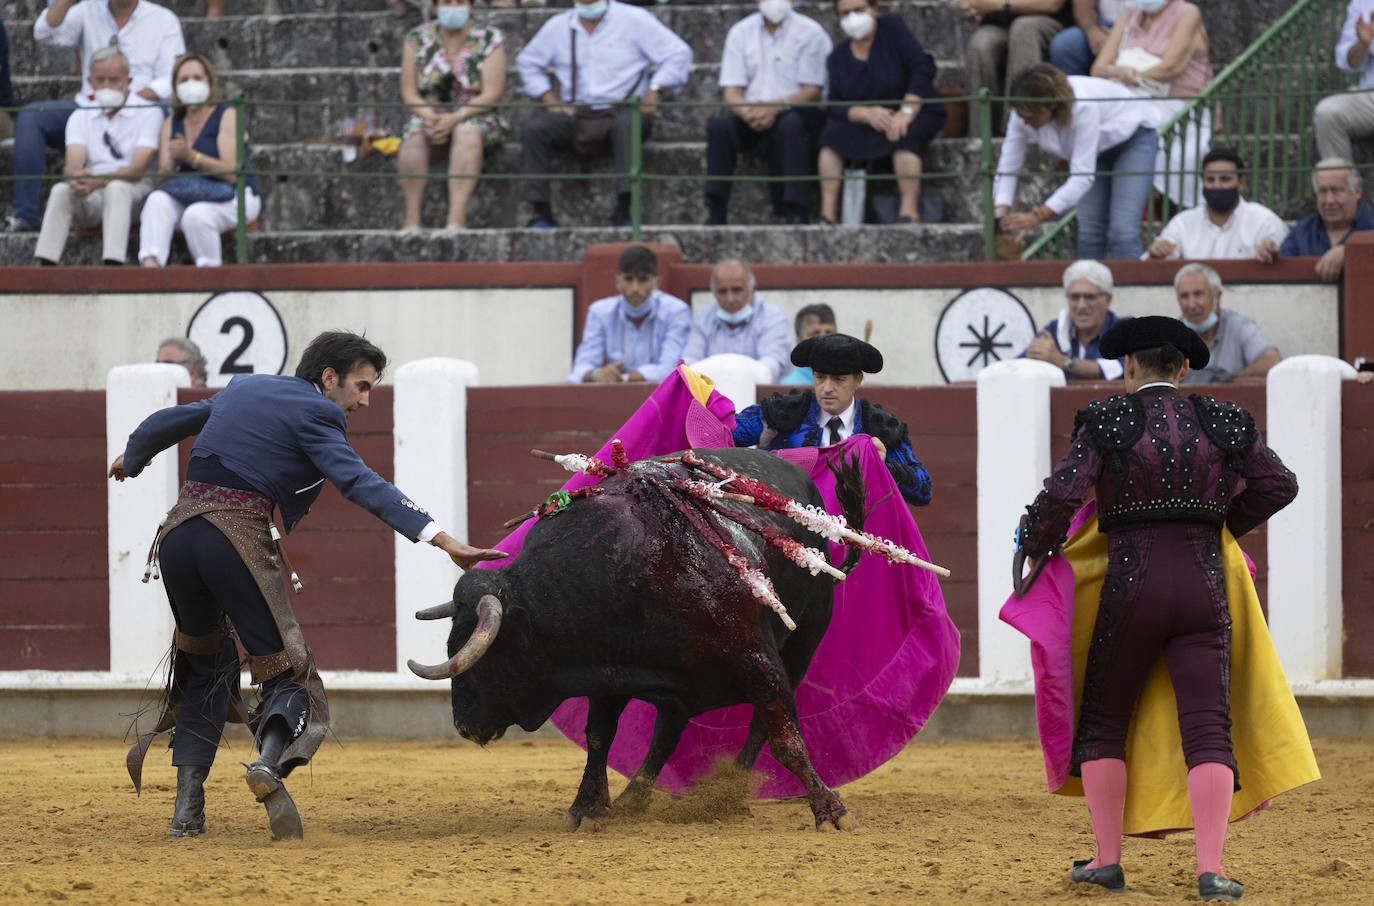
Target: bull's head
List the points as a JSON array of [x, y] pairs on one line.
[[488, 625]]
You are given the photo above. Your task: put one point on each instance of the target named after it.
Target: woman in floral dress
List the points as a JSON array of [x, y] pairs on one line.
[[452, 75]]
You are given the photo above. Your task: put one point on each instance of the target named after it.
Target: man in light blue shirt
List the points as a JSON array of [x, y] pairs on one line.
[[739, 322], [815, 320], [601, 52], [637, 335]]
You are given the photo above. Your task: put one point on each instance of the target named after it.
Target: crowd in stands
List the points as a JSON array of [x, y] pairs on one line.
[[1092, 83]]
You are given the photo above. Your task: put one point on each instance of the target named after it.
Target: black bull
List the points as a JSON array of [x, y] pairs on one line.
[[621, 597]]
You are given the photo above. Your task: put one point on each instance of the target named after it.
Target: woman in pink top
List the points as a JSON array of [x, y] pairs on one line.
[[1159, 50]]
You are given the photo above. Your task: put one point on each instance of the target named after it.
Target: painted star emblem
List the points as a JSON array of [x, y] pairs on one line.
[[986, 343]]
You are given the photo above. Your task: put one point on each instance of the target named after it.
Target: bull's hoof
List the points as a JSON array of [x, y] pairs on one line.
[[634, 800], [846, 822], [841, 819]]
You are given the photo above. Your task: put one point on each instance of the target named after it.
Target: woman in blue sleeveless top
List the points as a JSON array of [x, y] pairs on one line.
[[198, 140]]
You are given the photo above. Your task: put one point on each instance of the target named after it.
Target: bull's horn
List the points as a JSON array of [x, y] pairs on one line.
[[488, 624], [437, 612]]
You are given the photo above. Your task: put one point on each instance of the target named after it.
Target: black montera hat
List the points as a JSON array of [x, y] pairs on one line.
[[837, 353], [1151, 332]]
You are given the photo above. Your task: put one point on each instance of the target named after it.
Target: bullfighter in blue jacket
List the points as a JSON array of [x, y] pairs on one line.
[[265, 441], [830, 412]]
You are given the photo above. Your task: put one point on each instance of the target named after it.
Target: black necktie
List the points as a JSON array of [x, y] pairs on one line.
[[834, 426]]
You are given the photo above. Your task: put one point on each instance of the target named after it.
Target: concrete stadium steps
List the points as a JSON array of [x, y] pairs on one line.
[[332, 95], [373, 37], [811, 244], [1232, 25], [321, 195]]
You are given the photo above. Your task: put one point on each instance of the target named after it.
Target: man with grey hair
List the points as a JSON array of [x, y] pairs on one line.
[[183, 352], [1338, 187], [150, 38], [1238, 347], [110, 153], [739, 322], [1071, 341]]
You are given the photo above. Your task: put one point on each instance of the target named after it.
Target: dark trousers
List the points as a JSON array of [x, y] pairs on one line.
[[207, 581], [789, 146], [40, 125], [6, 91], [544, 132], [1164, 594]]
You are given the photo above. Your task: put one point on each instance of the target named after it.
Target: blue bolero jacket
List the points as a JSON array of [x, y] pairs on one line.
[[285, 438]]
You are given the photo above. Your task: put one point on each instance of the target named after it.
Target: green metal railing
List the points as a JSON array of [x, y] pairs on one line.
[[1239, 107]]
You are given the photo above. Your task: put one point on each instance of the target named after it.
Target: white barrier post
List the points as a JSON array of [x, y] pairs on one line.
[[1013, 460], [737, 377], [140, 620], [430, 432], [1303, 402]]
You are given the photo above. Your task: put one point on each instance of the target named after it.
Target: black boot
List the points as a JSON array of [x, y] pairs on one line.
[[264, 780], [1212, 886], [1108, 876], [188, 818]]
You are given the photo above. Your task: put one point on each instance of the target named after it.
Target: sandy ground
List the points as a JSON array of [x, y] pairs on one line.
[[448, 822]]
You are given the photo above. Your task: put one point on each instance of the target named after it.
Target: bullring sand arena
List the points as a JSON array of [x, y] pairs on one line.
[[449, 822]]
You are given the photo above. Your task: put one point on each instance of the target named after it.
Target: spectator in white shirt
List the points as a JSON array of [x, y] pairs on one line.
[[1225, 225], [109, 153], [1074, 49], [740, 322], [1110, 144], [1238, 347], [773, 58], [1341, 118], [612, 46], [150, 38]]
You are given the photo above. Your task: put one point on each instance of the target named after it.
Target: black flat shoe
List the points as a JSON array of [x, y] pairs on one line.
[[1108, 876], [1212, 886]]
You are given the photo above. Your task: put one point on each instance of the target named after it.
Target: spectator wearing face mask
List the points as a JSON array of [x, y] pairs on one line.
[[197, 152], [739, 322], [452, 73], [881, 61], [109, 154], [1238, 347], [1225, 225], [772, 59]]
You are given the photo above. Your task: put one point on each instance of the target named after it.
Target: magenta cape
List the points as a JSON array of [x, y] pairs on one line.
[[884, 665]]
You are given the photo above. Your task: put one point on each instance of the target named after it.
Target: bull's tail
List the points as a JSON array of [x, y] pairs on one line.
[[853, 499]]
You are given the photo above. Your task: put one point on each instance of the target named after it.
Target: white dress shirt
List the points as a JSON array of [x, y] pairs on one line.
[[773, 66], [1194, 235], [1358, 9], [612, 62], [846, 422], [151, 41], [130, 127], [1105, 114]]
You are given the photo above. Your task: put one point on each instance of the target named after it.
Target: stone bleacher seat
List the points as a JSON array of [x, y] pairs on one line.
[[342, 56]]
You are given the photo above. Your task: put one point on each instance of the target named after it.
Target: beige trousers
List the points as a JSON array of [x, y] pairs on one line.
[[111, 208]]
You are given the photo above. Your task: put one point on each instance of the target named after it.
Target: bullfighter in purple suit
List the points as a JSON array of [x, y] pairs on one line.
[[1165, 470]]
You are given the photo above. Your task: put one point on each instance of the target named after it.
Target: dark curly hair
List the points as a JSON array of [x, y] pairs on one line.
[[340, 350]]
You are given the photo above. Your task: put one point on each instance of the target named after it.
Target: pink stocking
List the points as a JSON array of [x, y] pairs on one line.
[[1104, 785], [1209, 792]]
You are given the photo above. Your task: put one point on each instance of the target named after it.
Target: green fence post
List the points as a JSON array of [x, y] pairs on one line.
[[636, 167], [985, 134], [240, 180]]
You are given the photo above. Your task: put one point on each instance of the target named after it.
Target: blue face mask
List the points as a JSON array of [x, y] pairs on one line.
[[1205, 326], [739, 317], [454, 17], [592, 10]]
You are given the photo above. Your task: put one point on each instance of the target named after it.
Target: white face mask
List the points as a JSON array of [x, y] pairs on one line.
[[193, 91], [109, 98], [775, 10], [1148, 6], [858, 25]]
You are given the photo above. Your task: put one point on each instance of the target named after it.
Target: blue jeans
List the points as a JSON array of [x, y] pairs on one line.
[[1109, 214], [1070, 52], [40, 125]]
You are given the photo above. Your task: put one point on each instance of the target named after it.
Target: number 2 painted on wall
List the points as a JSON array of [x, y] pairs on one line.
[[232, 365]]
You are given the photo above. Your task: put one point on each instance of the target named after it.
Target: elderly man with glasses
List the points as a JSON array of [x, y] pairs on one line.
[[1071, 341]]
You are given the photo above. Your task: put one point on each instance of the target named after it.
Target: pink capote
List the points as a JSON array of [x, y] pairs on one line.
[[885, 663]]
